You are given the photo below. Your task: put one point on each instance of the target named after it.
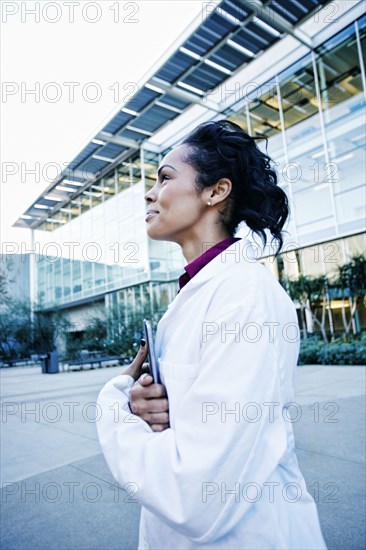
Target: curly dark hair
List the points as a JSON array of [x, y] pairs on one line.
[[221, 149]]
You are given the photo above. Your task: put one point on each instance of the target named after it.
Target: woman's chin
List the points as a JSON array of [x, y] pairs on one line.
[[157, 236], [153, 234]]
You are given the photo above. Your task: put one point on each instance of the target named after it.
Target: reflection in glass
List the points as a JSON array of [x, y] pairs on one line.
[[66, 276], [108, 185], [298, 93], [99, 272], [340, 77], [264, 113], [151, 164], [76, 277]]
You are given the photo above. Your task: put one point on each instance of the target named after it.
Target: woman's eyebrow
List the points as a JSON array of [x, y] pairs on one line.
[[166, 166]]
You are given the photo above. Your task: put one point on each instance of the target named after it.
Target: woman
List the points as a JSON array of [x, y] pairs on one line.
[[224, 474]]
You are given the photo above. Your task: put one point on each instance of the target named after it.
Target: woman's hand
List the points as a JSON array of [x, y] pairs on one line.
[[138, 367], [150, 402]]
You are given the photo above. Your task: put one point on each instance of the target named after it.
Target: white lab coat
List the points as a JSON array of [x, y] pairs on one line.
[[225, 474]]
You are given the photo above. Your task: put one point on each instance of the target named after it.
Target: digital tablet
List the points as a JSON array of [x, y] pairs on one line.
[[153, 364]]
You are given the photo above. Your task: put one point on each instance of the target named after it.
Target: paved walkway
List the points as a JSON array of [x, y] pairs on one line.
[[57, 492]]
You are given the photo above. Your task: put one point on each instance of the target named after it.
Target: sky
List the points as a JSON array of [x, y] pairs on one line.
[[66, 67]]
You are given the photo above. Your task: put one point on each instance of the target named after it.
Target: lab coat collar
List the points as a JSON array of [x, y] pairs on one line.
[[240, 251]]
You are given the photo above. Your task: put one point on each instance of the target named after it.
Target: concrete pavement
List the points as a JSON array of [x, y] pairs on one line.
[[57, 491]]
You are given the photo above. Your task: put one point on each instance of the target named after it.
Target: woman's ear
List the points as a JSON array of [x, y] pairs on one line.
[[221, 190]]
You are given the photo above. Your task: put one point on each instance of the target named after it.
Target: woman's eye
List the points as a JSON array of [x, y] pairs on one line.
[[164, 177]]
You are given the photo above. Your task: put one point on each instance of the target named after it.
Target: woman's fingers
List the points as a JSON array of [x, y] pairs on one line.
[[156, 418], [145, 407], [135, 367], [159, 427], [150, 391], [145, 379], [149, 401], [145, 369]]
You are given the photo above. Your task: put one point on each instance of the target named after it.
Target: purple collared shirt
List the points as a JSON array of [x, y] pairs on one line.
[[194, 267]]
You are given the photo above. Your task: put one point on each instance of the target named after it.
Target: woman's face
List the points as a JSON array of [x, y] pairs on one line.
[[178, 208]]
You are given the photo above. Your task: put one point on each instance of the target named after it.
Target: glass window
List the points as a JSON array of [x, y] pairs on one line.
[[96, 194], [76, 277], [61, 217], [41, 279], [108, 184], [151, 164], [313, 205], [332, 256], [46, 226], [49, 280], [87, 270], [356, 245], [146, 298], [58, 282], [138, 302], [298, 93], [75, 208], [164, 295], [311, 261], [305, 145], [123, 178], [264, 113], [239, 117], [343, 104], [66, 276], [339, 69], [156, 296], [347, 154], [99, 274], [291, 262], [110, 273], [351, 205], [128, 173], [84, 201]]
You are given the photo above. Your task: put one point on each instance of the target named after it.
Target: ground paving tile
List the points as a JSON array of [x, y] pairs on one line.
[[58, 493]]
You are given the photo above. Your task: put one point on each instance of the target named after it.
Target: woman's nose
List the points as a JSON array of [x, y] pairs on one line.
[[149, 196]]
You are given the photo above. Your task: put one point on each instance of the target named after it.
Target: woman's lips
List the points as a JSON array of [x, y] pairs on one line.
[[151, 214]]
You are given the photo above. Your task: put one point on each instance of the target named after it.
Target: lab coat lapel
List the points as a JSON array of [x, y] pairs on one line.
[[240, 251]]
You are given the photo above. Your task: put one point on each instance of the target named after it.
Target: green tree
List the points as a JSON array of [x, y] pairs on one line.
[[310, 292], [115, 331], [24, 330], [351, 280]]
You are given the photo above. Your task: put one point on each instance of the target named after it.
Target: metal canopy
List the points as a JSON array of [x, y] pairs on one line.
[[234, 34]]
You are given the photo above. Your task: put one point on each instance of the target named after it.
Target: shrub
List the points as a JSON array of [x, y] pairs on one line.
[[309, 350], [338, 352]]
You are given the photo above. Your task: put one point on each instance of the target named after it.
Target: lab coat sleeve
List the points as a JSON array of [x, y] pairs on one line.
[[229, 431]]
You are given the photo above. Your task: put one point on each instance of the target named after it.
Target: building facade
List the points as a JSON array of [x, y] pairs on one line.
[[294, 78]]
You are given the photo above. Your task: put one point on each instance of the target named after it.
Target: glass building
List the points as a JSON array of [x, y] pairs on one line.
[[310, 105]]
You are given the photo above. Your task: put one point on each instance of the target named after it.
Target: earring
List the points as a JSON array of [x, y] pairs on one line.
[[209, 203]]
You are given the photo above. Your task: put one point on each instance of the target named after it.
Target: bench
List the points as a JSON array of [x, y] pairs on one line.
[[93, 362], [22, 362]]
